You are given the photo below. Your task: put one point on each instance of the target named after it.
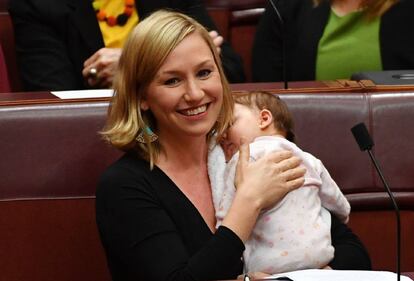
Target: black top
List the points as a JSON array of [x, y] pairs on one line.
[[54, 38], [304, 27], [151, 231]]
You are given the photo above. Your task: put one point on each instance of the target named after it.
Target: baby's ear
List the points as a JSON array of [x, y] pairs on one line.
[[266, 118]]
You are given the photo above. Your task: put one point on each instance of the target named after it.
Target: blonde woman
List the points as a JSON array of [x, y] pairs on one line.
[[329, 40], [154, 206]]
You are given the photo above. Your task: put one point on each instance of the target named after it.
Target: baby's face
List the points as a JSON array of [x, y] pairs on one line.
[[245, 124]]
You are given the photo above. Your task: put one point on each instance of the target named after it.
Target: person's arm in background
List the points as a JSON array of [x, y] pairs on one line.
[[232, 62], [267, 49], [42, 54], [350, 253], [105, 62]]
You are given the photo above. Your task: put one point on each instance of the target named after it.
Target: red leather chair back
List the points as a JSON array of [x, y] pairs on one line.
[[9, 51], [4, 77]]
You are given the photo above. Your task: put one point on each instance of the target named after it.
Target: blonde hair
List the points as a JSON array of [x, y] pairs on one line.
[[146, 49], [373, 8], [282, 117]]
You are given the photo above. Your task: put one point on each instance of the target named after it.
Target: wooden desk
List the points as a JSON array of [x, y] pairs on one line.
[[17, 98], [409, 274], [302, 87]]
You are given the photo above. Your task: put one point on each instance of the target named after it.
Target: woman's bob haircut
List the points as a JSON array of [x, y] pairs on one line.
[[145, 50]]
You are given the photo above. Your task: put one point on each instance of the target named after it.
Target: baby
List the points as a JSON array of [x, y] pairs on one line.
[[294, 234]]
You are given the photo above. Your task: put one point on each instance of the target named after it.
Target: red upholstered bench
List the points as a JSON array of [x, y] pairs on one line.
[[51, 158]]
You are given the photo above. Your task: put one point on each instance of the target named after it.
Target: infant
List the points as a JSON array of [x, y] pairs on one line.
[[295, 233]]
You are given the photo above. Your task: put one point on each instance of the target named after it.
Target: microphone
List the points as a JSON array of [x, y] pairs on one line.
[[284, 41], [365, 142]]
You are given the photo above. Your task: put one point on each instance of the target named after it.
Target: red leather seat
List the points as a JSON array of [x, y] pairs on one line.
[[236, 21], [4, 77], [52, 156], [9, 51]]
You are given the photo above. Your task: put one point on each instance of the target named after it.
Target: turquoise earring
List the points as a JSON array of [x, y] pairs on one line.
[[149, 133]]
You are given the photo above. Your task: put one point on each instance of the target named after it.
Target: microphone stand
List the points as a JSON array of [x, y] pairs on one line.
[[397, 212], [365, 142], [284, 42]]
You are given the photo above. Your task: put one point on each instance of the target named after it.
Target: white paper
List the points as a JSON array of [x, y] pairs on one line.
[[84, 94], [340, 275]]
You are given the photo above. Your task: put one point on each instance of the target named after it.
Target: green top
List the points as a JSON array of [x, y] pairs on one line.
[[349, 44]]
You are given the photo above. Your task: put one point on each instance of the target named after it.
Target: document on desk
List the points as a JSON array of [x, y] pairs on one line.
[[84, 94], [338, 275]]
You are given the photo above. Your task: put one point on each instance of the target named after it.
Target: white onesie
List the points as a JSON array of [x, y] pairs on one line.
[[294, 234]]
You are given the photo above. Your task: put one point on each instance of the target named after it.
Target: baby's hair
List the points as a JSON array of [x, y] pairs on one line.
[[282, 117]]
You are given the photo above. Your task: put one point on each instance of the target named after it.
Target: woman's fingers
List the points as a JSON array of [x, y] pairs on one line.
[[284, 160], [294, 173], [294, 184], [244, 153], [270, 178], [290, 163]]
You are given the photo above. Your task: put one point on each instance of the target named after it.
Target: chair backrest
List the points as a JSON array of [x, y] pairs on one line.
[[47, 188], [236, 20], [3, 5], [9, 50], [52, 156], [4, 78]]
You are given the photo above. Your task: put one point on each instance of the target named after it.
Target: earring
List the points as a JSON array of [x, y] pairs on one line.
[[147, 131]]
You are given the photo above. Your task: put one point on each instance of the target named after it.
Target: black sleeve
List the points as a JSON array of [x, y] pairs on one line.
[[142, 241], [267, 57], [350, 253], [42, 54], [232, 62]]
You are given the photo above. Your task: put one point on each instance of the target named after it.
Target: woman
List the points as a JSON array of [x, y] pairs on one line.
[[154, 207], [327, 40]]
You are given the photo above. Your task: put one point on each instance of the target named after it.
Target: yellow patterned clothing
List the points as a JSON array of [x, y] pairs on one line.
[[115, 36]]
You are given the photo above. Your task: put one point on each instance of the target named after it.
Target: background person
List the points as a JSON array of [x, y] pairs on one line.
[[66, 45], [329, 40]]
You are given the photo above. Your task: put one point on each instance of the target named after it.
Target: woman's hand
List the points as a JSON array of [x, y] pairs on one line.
[[267, 180], [261, 185], [100, 68]]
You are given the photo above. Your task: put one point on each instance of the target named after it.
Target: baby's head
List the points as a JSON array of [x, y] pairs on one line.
[[258, 113]]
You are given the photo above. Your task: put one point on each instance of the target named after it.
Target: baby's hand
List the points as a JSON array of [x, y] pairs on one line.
[[254, 275], [229, 148], [326, 267]]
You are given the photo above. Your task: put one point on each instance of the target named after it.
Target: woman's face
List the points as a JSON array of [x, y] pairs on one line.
[[186, 94]]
